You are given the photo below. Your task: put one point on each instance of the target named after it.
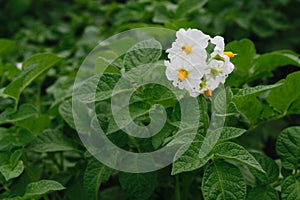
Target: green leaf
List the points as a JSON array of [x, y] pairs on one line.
[[290, 188], [254, 91], [223, 181], [144, 52], [39, 188], [288, 147], [237, 153], [9, 171], [33, 67], [188, 160], [247, 96], [25, 111], [269, 166], [270, 61], [263, 193], [95, 174], [282, 97], [245, 51], [88, 93], [139, 186], [228, 133], [51, 141], [35, 124], [65, 110]]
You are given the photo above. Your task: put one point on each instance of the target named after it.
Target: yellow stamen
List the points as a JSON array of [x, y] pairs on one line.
[[229, 54], [187, 49], [182, 74], [202, 85], [208, 93]]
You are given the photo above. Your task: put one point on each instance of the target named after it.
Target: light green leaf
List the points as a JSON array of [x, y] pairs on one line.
[[25, 111], [105, 83], [247, 96], [282, 97], [188, 160], [228, 133], [95, 174], [9, 171], [35, 124], [269, 166], [237, 153], [65, 110], [139, 186], [290, 188], [33, 67], [245, 51], [39, 188], [288, 147], [51, 141], [223, 181], [241, 93], [270, 61], [144, 52], [263, 193]]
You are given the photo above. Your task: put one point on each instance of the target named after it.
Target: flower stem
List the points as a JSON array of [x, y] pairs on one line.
[[177, 188], [204, 114]]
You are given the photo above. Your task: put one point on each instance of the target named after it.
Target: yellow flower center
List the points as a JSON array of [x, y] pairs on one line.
[[229, 54], [215, 71], [182, 74], [187, 49]]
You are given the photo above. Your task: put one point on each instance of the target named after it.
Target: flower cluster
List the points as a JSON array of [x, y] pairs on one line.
[[193, 67]]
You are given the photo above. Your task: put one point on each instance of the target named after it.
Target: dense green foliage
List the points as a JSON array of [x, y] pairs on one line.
[[257, 155]]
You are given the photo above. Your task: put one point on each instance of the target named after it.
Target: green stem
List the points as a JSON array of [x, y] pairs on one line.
[[62, 161], [6, 188], [38, 97], [135, 143], [204, 114], [177, 188]]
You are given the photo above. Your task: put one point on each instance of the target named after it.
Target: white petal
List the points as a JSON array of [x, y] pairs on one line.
[[219, 42]]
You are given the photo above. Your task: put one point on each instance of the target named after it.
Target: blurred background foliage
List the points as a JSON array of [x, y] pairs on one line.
[[72, 27]]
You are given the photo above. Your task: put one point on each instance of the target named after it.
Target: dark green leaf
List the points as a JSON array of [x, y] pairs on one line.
[[95, 174], [139, 186], [290, 188], [288, 147], [144, 52], [237, 153], [269, 166], [188, 160], [263, 193], [223, 181], [51, 141]]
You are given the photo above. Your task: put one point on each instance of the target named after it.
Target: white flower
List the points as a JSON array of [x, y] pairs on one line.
[[191, 44], [184, 75], [192, 68]]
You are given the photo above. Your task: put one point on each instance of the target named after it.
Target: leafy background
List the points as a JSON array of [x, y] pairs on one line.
[[41, 155]]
